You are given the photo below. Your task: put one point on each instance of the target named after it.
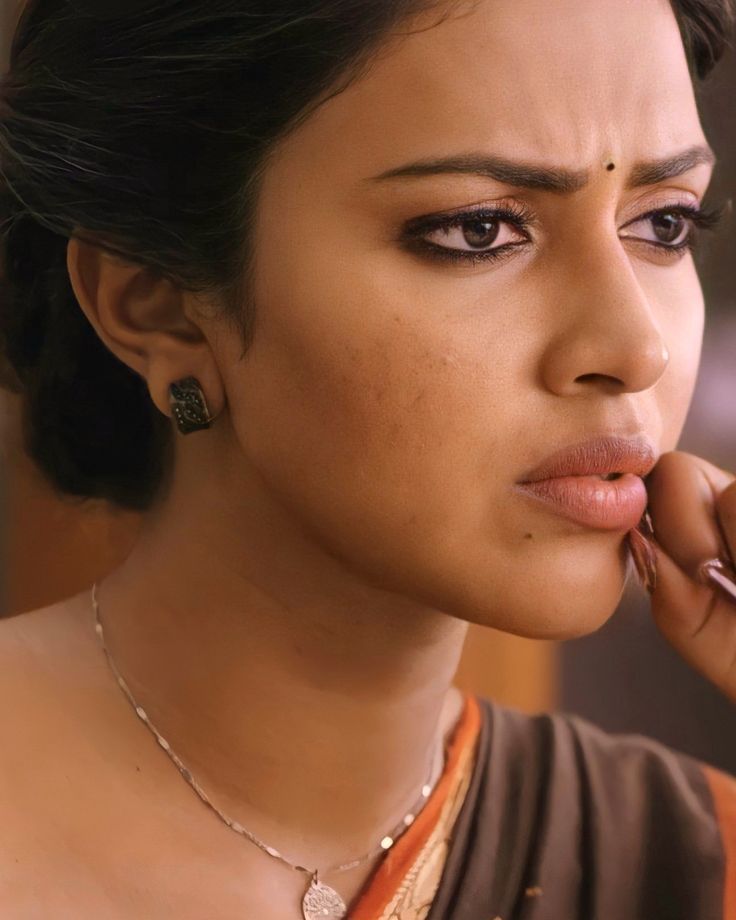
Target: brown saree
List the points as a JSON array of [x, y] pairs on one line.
[[548, 817]]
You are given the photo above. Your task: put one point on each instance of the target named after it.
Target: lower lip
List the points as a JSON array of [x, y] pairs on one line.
[[606, 505]]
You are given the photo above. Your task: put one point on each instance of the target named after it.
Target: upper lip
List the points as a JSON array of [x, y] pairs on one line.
[[597, 456]]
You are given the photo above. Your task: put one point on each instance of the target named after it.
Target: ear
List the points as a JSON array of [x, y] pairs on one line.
[[145, 321]]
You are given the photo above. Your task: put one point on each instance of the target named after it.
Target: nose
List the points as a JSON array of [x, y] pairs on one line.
[[607, 333]]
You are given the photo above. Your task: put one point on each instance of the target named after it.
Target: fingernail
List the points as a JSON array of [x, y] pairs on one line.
[[645, 525], [720, 574], [643, 554]]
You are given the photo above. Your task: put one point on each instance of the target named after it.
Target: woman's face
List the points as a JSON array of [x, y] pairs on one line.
[[398, 389]]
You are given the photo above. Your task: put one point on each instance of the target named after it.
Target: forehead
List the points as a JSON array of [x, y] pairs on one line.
[[563, 81]]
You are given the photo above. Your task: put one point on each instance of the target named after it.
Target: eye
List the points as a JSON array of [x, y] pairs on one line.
[[674, 228], [471, 236], [476, 233]]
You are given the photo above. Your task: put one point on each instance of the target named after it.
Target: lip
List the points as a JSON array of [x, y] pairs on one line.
[[567, 482], [597, 456], [616, 505]]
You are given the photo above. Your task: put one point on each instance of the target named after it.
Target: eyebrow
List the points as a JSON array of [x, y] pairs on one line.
[[659, 170], [548, 179]]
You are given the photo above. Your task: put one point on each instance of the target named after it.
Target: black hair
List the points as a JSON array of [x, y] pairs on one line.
[[143, 126], [707, 29]]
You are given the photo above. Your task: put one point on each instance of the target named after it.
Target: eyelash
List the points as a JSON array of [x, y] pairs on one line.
[[522, 219]]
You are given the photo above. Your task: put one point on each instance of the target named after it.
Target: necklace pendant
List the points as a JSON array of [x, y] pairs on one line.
[[322, 902]]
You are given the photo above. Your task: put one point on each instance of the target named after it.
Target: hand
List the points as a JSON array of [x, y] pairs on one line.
[[692, 506]]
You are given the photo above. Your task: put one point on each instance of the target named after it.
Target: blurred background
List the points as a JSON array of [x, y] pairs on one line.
[[624, 677]]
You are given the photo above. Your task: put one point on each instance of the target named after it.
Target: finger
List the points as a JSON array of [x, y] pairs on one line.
[[677, 603], [725, 505], [692, 504], [687, 496], [702, 631]]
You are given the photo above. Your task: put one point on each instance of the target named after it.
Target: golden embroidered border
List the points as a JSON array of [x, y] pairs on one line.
[[415, 893]]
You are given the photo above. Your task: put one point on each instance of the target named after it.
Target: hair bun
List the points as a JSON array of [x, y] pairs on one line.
[[88, 420]]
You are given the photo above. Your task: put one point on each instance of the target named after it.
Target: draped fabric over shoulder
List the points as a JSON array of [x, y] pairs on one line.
[[550, 817]]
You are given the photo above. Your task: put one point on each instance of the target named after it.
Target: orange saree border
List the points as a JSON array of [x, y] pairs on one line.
[[405, 858], [723, 790]]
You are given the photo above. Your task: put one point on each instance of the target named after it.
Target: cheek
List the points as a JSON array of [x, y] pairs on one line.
[[384, 430], [380, 417], [684, 313]]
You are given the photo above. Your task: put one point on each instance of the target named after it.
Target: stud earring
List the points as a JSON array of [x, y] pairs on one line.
[[189, 406]]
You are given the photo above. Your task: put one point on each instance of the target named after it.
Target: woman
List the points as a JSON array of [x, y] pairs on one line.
[[324, 288]]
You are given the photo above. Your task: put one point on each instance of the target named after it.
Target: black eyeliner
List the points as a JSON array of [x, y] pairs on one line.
[[521, 218]]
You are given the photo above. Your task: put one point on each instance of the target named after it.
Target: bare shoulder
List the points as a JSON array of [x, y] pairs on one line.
[[43, 654], [93, 820], [47, 670], [44, 661], [68, 768], [50, 669]]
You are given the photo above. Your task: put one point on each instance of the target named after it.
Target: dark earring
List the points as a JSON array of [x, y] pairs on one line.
[[189, 406]]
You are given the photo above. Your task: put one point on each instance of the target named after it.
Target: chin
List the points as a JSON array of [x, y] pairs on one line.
[[546, 601]]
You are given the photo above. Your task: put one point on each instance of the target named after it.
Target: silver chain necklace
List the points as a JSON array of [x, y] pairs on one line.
[[321, 901]]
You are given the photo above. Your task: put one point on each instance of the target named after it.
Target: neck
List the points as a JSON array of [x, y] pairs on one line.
[[307, 703]]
